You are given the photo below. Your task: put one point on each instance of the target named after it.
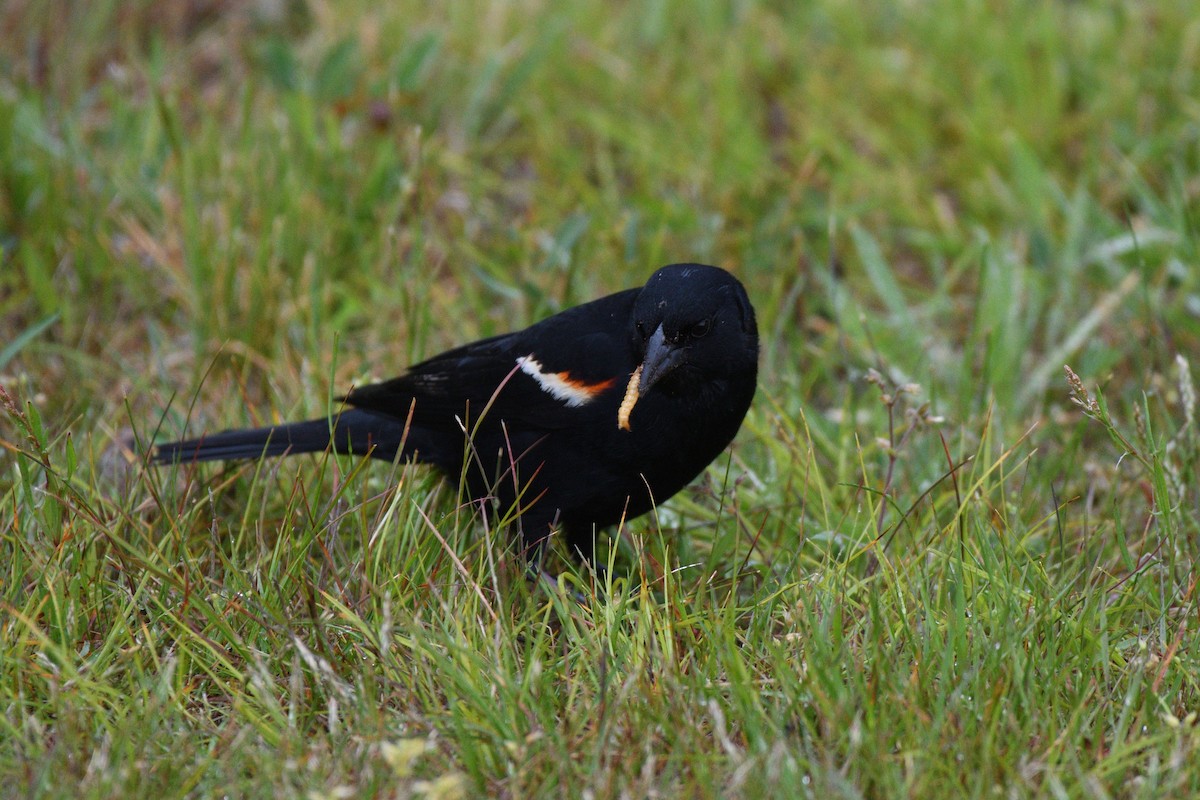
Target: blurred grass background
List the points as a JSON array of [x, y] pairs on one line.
[[217, 213]]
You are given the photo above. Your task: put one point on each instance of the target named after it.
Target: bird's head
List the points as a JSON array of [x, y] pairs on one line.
[[691, 324]]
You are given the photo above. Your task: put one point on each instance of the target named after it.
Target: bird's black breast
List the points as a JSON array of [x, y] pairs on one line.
[[613, 474]]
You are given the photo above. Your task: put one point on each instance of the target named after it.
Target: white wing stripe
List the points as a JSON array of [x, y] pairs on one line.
[[573, 394]]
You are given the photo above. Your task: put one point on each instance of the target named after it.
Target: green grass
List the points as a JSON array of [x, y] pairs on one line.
[[214, 214]]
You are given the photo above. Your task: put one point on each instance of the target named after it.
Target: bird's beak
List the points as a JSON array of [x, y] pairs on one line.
[[661, 357]]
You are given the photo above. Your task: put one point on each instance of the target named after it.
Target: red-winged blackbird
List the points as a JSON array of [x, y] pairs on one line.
[[586, 418]]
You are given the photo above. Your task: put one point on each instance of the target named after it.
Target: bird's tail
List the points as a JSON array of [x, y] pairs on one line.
[[353, 432]]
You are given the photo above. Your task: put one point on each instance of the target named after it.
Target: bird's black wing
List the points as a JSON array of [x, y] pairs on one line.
[[548, 376]]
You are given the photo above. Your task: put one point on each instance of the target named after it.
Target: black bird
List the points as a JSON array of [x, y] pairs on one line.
[[581, 420]]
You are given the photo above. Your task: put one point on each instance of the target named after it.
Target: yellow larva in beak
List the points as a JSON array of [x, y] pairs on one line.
[[630, 400]]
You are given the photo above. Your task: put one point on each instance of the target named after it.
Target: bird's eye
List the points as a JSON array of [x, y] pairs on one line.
[[700, 329]]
